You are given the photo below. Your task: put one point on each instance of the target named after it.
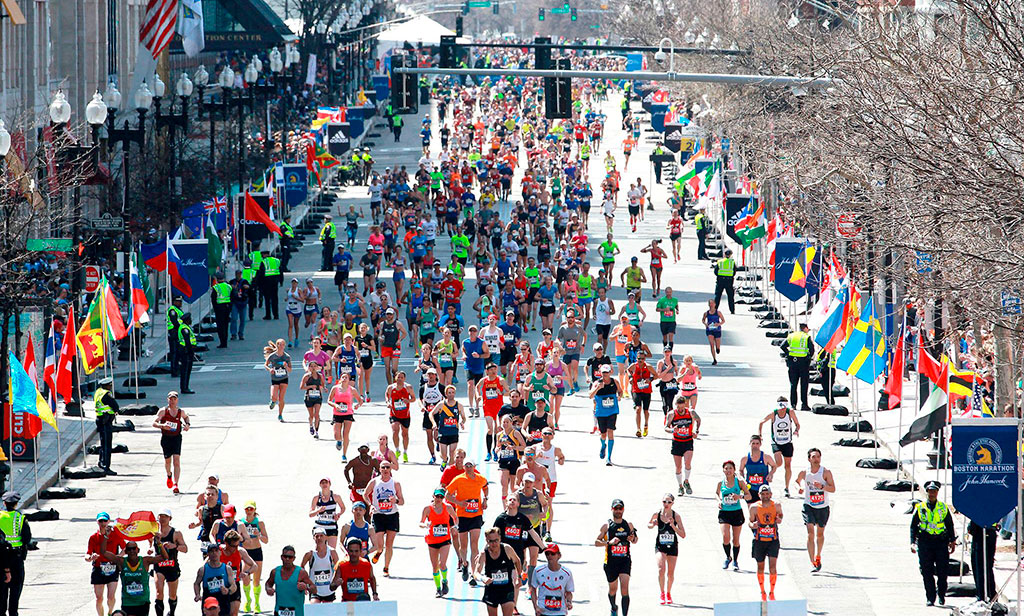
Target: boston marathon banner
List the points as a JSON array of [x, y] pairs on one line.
[[787, 250], [985, 483], [192, 266]]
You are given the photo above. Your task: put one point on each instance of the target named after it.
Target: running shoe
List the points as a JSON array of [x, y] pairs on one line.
[[464, 570], [601, 455], [735, 565], [608, 463], [764, 596], [639, 434], [248, 606], [376, 557], [547, 537], [681, 492], [472, 582], [337, 445], [771, 596], [615, 610], [316, 435], [386, 574], [444, 587], [405, 456], [175, 489], [433, 460], [368, 398], [786, 491], [686, 486], [272, 403], [645, 430], [281, 419], [170, 482], [311, 431], [668, 598], [662, 600], [439, 594], [488, 457], [726, 565], [344, 458], [817, 564]]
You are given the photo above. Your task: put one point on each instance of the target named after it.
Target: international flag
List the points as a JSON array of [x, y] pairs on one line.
[[832, 331], [325, 159], [25, 396], [66, 359], [930, 368], [214, 248], [50, 367], [216, 210], [33, 425], [161, 256], [689, 171], [191, 27], [803, 265], [932, 414], [961, 382], [751, 227], [112, 312], [139, 526], [863, 356], [140, 304], [893, 390], [978, 407], [311, 163], [252, 211]]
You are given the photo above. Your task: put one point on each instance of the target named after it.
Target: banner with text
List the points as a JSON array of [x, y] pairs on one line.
[[985, 468], [786, 253], [192, 256]]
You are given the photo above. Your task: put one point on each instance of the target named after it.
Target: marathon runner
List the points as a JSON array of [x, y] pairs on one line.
[[320, 561], [133, 570], [448, 417], [289, 584], [517, 531], [605, 394], [688, 376], [615, 537], [730, 491], [344, 400], [430, 397], [757, 469], [399, 397], [172, 421], [468, 494], [658, 257], [684, 425], [668, 308], [359, 528], [534, 504], [819, 484], [552, 585], [640, 381], [104, 572], [168, 569], [439, 519], [765, 516], [313, 385], [358, 473], [215, 580], [668, 386], [550, 457], [279, 365], [327, 508], [474, 353], [497, 568], [491, 390], [354, 575], [255, 537], [666, 544], [384, 495], [785, 427], [713, 321]]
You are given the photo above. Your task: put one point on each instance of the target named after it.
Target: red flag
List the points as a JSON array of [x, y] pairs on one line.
[[112, 311], [310, 164], [139, 526], [931, 368], [894, 386], [255, 213], [66, 361], [33, 425]]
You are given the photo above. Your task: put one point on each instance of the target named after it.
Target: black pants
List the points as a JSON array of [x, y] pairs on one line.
[[286, 253], [326, 254], [933, 557], [254, 298], [172, 351], [982, 564], [270, 307], [10, 593], [105, 429], [828, 379], [397, 131], [799, 375], [657, 172], [222, 314], [186, 369], [724, 283], [702, 248]]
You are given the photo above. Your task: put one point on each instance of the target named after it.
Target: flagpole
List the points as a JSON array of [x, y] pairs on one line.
[[35, 470], [81, 407]]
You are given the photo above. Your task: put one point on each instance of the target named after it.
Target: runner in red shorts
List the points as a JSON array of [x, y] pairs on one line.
[[491, 390]]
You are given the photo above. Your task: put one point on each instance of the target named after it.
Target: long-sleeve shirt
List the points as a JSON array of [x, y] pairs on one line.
[[948, 534]]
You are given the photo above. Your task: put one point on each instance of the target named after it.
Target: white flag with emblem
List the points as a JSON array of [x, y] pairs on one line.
[[191, 28]]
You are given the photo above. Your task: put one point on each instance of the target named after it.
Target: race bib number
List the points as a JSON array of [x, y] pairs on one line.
[[514, 532], [446, 358], [133, 588], [165, 563], [472, 506], [666, 538], [499, 577], [326, 517], [505, 454], [107, 568], [450, 421], [816, 497], [571, 344], [285, 611], [668, 312], [623, 339], [491, 393], [756, 479], [401, 405], [280, 373], [355, 587], [682, 431], [214, 584], [439, 530], [537, 395], [766, 533], [314, 394], [730, 499], [552, 603], [643, 383], [364, 352], [322, 577], [620, 550], [689, 387], [385, 505], [608, 402]]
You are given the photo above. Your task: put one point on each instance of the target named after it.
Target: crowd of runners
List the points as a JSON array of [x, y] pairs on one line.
[[531, 252]]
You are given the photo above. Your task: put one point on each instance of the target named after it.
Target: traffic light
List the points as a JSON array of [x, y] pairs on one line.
[[403, 86], [540, 14], [558, 93], [565, 5], [494, 8], [458, 25], [465, 7], [542, 54], [572, 14], [448, 59]]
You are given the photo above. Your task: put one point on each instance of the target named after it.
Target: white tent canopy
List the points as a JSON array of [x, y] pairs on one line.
[[420, 29]]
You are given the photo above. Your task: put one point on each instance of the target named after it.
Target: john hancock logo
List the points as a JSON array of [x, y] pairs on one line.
[[984, 465]]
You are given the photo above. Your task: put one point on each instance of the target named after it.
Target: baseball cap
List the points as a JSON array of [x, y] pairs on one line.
[[618, 503], [172, 394], [327, 479], [165, 511], [103, 515], [214, 476], [250, 504], [539, 360], [319, 531], [529, 477], [606, 368], [210, 602], [439, 492], [229, 510], [764, 488], [359, 505], [552, 549]]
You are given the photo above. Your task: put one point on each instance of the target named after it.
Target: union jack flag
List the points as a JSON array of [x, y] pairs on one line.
[[218, 205]]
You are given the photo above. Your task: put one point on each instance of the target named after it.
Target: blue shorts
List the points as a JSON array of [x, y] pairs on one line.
[[583, 301], [620, 359], [571, 358], [398, 276], [717, 333], [307, 309]]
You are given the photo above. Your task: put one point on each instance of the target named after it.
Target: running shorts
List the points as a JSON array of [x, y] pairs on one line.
[[170, 444], [606, 423], [383, 523], [816, 516], [762, 549], [786, 449], [681, 447]]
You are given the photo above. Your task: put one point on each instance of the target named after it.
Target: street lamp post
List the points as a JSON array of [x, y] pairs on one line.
[[172, 121]]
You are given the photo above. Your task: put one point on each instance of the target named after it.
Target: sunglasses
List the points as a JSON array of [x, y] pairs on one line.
[[287, 555]]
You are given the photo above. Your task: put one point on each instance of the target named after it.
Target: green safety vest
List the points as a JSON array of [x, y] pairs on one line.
[[799, 344], [256, 257], [397, 121], [287, 230], [625, 103], [727, 267], [186, 330], [367, 158], [223, 291], [658, 150], [355, 159], [173, 311], [699, 221], [272, 267], [11, 523], [423, 82], [102, 408], [329, 231], [248, 274], [931, 521], [832, 358]]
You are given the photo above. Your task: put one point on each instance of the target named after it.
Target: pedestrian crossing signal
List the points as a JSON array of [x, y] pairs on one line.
[[572, 15], [540, 14]]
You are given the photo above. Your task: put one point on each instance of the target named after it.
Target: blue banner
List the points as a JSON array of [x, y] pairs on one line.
[[658, 112], [192, 266], [381, 85], [985, 469], [786, 253], [296, 187], [634, 61]]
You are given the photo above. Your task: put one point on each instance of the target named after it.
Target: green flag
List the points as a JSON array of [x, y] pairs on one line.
[[214, 247]]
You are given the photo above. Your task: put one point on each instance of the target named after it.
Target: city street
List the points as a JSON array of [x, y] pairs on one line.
[[868, 567]]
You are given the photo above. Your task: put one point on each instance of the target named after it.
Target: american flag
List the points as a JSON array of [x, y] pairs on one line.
[[218, 205], [158, 25]]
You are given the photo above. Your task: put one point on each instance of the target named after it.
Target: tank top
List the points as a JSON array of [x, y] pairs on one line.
[[714, 320], [666, 537], [223, 530], [288, 601], [253, 528], [438, 526], [359, 532], [312, 295], [682, 426], [134, 584], [325, 519], [530, 507], [546, 457], [491, 338], [688, 381], [175, 419], [633, 313], [815, 497], [214, 578], [782, 428], [208, 515], [233, 560], [533, 427], [292, 300], [400, 399], [641, 379], [757, 472], [500, 569], [671, 383], [382, 493], [352, 307], [507, 447], [389, 333], [731, 496], [321, 571], [539, 389], [172, 553], [585, 283], [767, 522], [446, 354], [348, 359], [620, 551], [556, 371], [603, 315], [431, 395], [315, 394], [448, 420]]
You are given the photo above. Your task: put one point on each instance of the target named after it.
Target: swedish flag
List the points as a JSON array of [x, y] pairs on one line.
[[864, 354]]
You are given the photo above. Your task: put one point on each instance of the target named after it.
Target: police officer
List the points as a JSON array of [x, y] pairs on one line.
[[13, 550], [220, 295], [270, 280], [933, 537], [287, 238], [328, 234], [186, 350], [367, 161], [240, 292], [174, 313], [106, 410], [799, 349], [725, 272], [656, 157], [396, 126], [827, 361], [700, 221]]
